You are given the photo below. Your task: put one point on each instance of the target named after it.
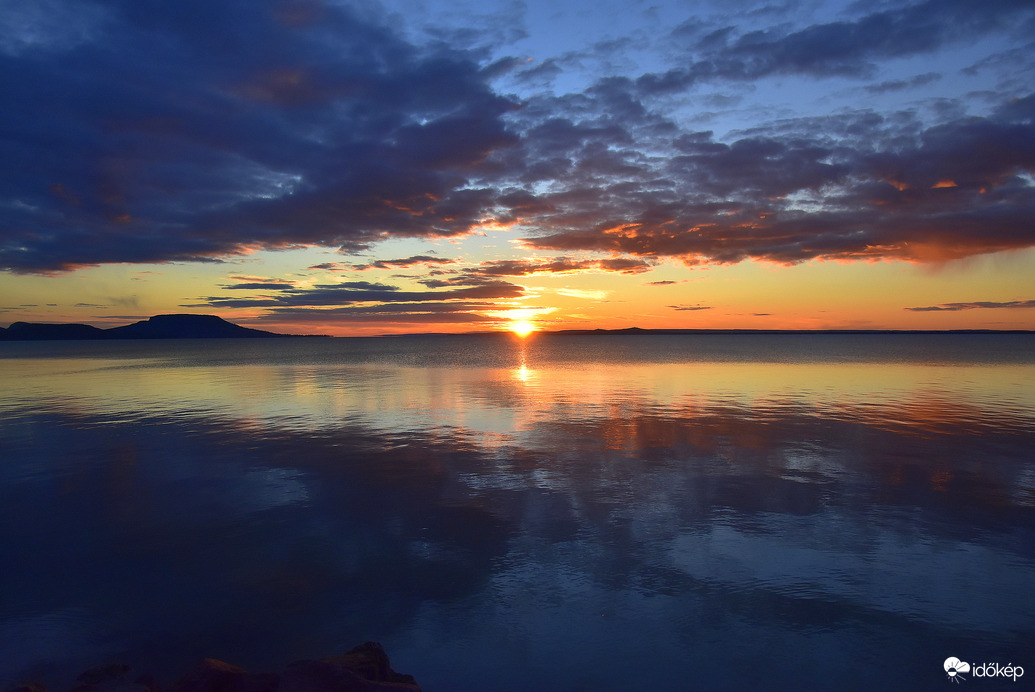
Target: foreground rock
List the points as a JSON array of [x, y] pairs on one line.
[[365, 668]]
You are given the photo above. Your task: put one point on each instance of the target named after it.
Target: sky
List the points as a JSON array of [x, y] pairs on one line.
[[360, 168]]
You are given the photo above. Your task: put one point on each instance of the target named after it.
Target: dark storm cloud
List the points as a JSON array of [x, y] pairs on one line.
[[197, 129], [953, 307]]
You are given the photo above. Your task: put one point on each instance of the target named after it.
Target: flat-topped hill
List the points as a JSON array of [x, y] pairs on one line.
[[157, 327]]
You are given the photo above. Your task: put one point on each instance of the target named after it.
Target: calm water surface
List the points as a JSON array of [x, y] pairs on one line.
[[557, 513]]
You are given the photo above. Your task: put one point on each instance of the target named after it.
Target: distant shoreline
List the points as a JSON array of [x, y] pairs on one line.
[[188, 326], [633, 331], [637, 331]]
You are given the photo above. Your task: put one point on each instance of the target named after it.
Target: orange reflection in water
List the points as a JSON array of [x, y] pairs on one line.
[[523, 373]]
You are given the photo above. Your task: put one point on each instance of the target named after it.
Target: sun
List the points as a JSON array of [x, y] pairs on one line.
[[519, 321], [522, 327]]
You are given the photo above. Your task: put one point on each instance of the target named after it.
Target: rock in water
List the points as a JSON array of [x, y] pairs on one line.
[[365, 668], [212, 675], [369, 661], [100, 674]]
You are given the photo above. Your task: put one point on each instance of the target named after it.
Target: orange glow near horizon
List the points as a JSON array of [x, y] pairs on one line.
[[842, 293]]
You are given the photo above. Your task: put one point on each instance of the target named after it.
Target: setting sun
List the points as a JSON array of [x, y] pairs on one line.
[[522, 327]]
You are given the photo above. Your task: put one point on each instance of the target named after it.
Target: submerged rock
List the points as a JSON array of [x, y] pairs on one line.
[[370, 661], [102, 674], [29, 687], [365, 668], [212, 675]]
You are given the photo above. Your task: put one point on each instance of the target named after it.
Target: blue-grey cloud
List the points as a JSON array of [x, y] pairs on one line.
[[402, 263], [363, 292], [842, 48], [903, 84], [198, 129], [255, 286], [450, 312], [561, 265], [977, 305]]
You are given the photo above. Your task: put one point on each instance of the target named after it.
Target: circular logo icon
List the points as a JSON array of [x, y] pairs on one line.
[[953, 667]]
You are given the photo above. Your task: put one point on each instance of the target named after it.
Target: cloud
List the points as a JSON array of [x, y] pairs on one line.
[[842, 48], [486, 274], [562, 265], [195, 130], [854, 186], [903, 84], [353, 292], [48, 26], [255, 286], [145, 131], [403, 263], [691, 307], [255, 279], [414, 313], [125, 301], [624, 177], [582, 293], [953, 307]]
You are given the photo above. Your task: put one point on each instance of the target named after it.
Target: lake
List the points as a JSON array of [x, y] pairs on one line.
[[776, 512]]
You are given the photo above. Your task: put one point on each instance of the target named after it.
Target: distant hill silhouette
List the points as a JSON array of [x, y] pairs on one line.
[[157, 327], [29, 331]]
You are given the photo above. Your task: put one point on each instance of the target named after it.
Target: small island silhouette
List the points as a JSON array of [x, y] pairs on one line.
[[158, 327]]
